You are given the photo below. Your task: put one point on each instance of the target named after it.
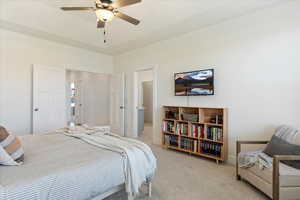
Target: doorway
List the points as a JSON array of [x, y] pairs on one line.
[[63, 97], [87, 102], [95, 99], [144, 97]]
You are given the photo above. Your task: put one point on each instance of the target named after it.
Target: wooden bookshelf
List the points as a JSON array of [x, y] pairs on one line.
[[196, 130]]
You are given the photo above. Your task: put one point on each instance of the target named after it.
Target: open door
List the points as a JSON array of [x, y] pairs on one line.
[[49, 99], [117, 104]]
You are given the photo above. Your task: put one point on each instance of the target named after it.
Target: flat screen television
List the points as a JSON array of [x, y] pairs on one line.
[[194, 83]]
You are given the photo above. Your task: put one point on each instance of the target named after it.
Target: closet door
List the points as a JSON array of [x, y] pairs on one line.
[[49, 99], [117, 104]]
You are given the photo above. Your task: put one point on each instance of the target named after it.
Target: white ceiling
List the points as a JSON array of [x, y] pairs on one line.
[[160, 19]]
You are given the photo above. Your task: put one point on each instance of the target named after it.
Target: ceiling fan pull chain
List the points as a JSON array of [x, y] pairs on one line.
[[104, 34]]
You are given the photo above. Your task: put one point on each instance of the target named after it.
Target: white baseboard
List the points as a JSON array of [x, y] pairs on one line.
[[231, 159]]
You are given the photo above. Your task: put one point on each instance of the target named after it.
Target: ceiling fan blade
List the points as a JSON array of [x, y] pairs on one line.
[[77, 8], [100, 24], [127, 18], [123, 3]]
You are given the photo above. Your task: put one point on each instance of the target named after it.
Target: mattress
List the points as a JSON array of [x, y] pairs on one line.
[[61, 167]]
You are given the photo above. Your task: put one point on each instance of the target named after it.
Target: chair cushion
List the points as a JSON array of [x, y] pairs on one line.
[[289, 176], [278, 146], [10, 145]]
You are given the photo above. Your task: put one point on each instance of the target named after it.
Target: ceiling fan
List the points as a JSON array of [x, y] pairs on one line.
[[106, 10]]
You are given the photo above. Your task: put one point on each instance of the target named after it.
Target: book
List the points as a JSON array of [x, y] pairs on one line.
[[215, 133], [211, 148], [195, 145], [182, 129], [189, 144], [167, 140], [197, 130], [171, 140], [168, 126]]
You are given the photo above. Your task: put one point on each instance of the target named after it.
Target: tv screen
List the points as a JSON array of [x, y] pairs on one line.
[[194, 83]]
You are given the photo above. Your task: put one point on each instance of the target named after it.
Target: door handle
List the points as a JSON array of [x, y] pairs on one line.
[[36, 109], [122, 107]]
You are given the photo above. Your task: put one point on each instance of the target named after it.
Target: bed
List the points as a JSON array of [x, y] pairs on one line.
[[61, 167]]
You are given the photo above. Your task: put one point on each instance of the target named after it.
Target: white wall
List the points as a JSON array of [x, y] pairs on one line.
[[18, 53], [257, 67]]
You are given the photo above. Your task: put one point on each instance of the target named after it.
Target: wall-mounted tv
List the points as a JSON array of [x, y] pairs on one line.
[[194, 83]]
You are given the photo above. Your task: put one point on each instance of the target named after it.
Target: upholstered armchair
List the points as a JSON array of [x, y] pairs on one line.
[[281, 182]]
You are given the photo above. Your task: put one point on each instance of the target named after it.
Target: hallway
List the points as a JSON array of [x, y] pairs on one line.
[[147, 134]]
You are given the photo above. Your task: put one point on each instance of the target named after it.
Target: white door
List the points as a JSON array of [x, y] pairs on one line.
[[117, 104], [49, 99]]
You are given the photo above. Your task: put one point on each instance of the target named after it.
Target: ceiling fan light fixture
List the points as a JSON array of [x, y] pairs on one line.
[[105, 15]]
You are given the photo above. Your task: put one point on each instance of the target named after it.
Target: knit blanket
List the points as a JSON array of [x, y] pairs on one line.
[[249, 159], [139, 163]]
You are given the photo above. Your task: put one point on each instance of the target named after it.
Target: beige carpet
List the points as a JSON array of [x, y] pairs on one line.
[[183, 177]]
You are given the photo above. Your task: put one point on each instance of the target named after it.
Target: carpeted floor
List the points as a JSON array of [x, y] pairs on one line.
[[183, 177]]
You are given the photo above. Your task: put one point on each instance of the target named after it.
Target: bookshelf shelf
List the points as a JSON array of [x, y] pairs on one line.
[[195, 153], [211, 156], [182, 121], [170, 133], [196, 130], [201, 123], [177, 148], [216, 141], [212, 124], [169, 119], [189, 137]]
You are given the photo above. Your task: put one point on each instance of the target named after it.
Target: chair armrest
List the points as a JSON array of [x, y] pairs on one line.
[[286, 157], [252, 142], [239, 143], [276, 180]]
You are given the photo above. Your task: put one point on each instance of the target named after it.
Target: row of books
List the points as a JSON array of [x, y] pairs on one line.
[[211, 148], [168, 126], [214, 133], [189, 144], [192, 145], [194, 130], [182, 129], [171, 140], [197, 131]]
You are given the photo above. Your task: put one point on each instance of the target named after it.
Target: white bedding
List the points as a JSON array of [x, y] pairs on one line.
[[139, 163], [81, 171]]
